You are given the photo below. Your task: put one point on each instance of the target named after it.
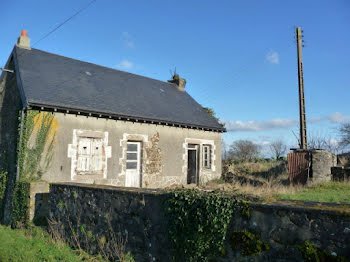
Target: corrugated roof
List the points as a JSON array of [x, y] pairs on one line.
[[55, 81]]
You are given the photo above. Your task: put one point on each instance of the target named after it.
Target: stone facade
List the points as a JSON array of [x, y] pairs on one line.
[[163, 153], [140, 216], [322, 161]]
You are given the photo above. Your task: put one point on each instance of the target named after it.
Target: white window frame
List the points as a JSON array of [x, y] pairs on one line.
[[206, 156], [138, 152]]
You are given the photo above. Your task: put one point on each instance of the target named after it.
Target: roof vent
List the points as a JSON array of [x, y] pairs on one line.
[[179, 82], [24, 41]]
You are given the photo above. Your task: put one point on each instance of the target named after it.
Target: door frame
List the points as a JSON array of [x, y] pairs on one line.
[[139, 161], [196, 147]]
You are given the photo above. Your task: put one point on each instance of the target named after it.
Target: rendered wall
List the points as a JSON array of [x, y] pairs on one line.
[[164, 152]]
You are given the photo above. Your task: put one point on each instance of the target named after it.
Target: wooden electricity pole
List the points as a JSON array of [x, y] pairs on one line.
[[303, 140]]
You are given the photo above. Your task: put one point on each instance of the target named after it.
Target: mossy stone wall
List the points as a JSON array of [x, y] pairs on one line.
[[257, 232]]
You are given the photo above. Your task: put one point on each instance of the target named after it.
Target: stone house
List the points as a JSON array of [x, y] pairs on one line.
[[64, 120]]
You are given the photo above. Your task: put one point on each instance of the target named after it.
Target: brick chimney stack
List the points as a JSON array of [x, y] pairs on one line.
[[179, 82], [24, 41]]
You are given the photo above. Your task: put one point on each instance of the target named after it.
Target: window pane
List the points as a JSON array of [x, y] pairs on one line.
[[131, 165], [132, 147], [131, 156]]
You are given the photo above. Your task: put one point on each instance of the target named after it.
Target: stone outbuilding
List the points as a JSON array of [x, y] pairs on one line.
[[64, 120]]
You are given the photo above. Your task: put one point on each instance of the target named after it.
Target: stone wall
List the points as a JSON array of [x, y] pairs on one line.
[[90, 213], [322, 161], [38, 203], [339, 173], [10, 106], [285, 226], [104, 211], [343, 160]]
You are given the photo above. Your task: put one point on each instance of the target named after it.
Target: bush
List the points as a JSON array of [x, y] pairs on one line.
[[20, 208]]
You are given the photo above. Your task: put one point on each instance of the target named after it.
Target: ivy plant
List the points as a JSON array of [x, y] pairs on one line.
[[198, 222]]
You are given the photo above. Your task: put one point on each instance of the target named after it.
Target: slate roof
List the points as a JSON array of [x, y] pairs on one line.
[[50, 80]]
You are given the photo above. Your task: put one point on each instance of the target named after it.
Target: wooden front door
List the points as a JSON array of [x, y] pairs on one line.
[[192, 164], [133, 164]]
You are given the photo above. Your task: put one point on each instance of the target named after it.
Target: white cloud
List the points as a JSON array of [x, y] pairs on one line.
[[259, 125], [278, 123], [127, 40], [338, 118], [272, 57], [125, 64]]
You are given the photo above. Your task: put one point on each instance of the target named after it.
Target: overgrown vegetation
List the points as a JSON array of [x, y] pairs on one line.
[[247, 243], [311, 253], [20, 205], [268, 180], [332, 192], [111, 246], [199, 222], [34, 244], [35, 147]]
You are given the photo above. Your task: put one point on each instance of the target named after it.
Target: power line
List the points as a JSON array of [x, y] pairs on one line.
[[65, 21]]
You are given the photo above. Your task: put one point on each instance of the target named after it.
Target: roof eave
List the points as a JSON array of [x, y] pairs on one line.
[[77, 111]]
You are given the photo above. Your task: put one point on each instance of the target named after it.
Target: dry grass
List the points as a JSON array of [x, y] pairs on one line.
[[264, 180], [268, 181]]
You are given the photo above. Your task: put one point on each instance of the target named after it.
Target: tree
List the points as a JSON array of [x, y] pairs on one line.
[[244, 150], [345, 134], [278, 148], [224, 153], [211, 112], [325, 142]]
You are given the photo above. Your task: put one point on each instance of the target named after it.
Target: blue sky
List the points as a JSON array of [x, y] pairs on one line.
[[238, 57]]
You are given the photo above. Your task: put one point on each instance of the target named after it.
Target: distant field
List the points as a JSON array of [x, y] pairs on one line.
[[331, 192], [35, 245]]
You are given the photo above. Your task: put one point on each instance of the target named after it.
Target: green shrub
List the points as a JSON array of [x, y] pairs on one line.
[[198, 223], [20, 208]]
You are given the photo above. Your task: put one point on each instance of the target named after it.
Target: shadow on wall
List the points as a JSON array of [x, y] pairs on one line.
[[41, 209]]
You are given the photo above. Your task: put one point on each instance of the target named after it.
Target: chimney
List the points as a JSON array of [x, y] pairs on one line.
[[179, 82], [24, 41]]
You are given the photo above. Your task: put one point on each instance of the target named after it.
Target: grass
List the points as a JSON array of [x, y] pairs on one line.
[[329, 192], [274, 184], [34, 244]]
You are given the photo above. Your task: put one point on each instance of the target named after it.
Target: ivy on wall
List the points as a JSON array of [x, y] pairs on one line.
[[37, 137], [3, 180], [37, 143], [198, 223], [20, 204]]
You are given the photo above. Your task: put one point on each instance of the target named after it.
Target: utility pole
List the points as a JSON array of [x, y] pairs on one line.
[[302, 117]]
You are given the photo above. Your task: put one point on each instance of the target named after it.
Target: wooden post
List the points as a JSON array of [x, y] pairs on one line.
[[302, 117]]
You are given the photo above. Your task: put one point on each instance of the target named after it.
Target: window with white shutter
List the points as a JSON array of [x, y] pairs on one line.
[[90, 156]]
